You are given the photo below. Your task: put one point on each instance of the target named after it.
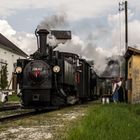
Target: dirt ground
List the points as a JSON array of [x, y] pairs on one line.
[[48, 126]]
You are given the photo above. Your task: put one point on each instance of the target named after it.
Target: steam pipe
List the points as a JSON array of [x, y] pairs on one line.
[[42, 33]]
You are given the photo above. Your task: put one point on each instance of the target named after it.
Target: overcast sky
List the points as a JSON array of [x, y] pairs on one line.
[[95, 24]]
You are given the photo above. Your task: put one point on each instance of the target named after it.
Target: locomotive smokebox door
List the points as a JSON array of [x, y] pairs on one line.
[[37, 75], [37, 83]]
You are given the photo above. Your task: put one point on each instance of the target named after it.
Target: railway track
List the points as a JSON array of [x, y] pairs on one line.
[[16, 116], [22, 113], [10, 107]]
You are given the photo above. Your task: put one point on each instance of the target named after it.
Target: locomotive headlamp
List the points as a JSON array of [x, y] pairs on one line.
[[18, 70], [56, 69]]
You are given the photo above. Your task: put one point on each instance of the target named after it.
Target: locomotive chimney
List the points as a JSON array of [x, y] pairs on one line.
[[43, 41]]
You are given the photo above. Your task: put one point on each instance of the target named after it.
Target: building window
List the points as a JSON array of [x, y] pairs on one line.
[[15, 65], [130, 65]]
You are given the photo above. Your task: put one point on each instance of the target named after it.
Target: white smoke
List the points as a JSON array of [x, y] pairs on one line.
[[87, 51], [55, 21]]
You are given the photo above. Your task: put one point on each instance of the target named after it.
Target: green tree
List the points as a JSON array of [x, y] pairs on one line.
[[3, 78]]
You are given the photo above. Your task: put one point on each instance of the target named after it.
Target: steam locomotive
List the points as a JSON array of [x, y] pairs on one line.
[[52, 78]]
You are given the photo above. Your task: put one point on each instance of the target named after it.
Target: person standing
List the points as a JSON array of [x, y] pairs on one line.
[[115, 92], [120, 90], [116, 86]]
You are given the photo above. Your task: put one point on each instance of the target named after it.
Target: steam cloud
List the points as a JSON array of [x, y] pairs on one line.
[[86, 49], [54, 21]]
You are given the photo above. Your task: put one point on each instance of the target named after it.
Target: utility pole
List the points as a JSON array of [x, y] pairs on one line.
[[126, 27], [123, 6]]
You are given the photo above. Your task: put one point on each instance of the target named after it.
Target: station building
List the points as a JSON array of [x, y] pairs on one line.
[[9, 53]]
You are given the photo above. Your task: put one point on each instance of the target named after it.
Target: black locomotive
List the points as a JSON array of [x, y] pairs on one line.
[[53, 78]]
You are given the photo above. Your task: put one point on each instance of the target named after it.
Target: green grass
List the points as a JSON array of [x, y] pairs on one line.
[[13, 98], [108, 122]]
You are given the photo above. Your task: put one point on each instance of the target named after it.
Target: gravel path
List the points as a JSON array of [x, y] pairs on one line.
[[49, 126]]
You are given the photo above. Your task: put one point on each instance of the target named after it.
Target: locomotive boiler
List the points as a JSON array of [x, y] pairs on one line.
[[53, 78]]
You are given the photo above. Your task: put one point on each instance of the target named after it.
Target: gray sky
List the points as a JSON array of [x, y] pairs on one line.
[[95, 24]]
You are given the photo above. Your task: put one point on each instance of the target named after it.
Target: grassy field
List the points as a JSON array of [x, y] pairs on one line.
[[108, 122]]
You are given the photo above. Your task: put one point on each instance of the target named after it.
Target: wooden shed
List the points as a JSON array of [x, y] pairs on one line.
[[132, 57]]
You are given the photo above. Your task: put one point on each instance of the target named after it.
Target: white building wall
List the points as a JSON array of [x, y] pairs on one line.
[[10, 58]]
